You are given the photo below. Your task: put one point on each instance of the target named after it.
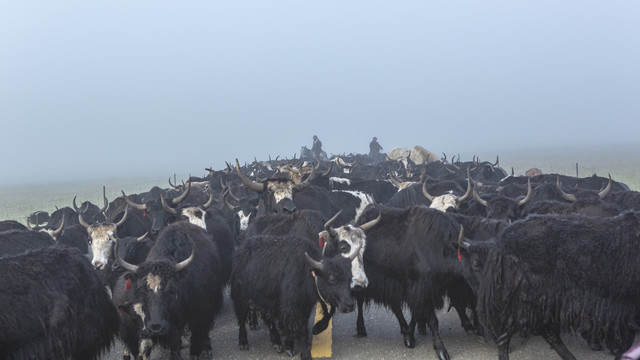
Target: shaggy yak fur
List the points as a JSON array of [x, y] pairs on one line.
[[410, 260], [549, 274], [272, 275], [54, 306]]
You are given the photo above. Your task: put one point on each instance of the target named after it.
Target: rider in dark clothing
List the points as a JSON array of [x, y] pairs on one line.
[[316, 149], [374, 148]]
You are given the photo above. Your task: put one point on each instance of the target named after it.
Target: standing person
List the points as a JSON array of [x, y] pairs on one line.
[[374, 148], [316, 149]]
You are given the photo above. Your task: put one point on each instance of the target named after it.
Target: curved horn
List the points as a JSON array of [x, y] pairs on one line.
[[315, 264], [606, 190], [124, 217], [141, 207], [81, 221], [206, 205], [75, 207], [425, 192], [167, 208], [394, 180], [497, 161], [305, 184], [226, 203], [529, 194], [368, 225], [59, 229], [106, 202], [326, 173], [444, 160], [469, 189], [172, 185], [183, 264], [327, 225], [123, 263], [142, 237], [356, 253], [461, 243], [29, 224], [568, 197], [184, 194], [255, 186], [478, 198]]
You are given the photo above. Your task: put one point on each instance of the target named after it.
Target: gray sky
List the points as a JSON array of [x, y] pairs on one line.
[[90, 89]]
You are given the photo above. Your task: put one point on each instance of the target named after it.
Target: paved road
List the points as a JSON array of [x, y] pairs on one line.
[[383, 341]]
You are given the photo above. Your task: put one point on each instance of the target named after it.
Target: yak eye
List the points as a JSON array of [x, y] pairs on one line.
[[89, 240]]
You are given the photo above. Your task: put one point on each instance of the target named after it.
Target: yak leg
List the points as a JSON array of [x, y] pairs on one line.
[[241, 314], [200, 345], [551, 334], [503, 346], [175, 344], [406, 330], [274, 334], [438, 344], [361, 330], [323, 323]]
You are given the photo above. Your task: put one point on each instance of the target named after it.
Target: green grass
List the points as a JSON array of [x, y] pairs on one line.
[[621, 161]]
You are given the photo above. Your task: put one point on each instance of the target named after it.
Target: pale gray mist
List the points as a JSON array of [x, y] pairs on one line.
[[92, 89]]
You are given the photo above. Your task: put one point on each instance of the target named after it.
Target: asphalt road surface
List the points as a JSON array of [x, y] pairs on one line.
[[383, 341]]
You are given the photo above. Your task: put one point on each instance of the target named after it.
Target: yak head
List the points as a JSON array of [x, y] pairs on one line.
[[276, 194], [243, 212], [102, 236], [473, 256], [502, 207], [158, 209], [333, 276], [446, 201], [196, 215], [348, 241], [157, 295]]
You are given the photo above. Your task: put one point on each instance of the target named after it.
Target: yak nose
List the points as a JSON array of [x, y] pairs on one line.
[[347, 308], [357, 288], [97, 264], [157, 328]]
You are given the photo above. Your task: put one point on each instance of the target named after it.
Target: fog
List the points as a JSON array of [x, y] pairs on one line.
[[92, 89]]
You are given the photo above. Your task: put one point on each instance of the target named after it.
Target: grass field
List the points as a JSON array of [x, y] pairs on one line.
[[621, 161]]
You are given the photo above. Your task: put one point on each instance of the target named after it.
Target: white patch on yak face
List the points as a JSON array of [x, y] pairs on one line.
[[354, 236], [281, 190], [154, 282], [244, 220], [101, 243], [443, 202], [195, 216]]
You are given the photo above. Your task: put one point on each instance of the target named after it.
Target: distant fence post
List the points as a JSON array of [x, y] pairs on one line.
[[577, 170]]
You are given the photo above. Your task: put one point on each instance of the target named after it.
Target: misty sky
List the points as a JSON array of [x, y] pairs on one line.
[[117, 88]]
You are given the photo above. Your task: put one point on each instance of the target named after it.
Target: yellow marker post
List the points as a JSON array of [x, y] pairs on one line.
[[321, 344]]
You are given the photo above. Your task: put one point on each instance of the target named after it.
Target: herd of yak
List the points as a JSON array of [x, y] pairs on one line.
[[537, 254]]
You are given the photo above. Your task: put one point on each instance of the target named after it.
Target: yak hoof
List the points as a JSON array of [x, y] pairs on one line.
[[243, 347], [360, 335], [409, 341], [290, 353], [443, 355], [278, 348], [126, 357]]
